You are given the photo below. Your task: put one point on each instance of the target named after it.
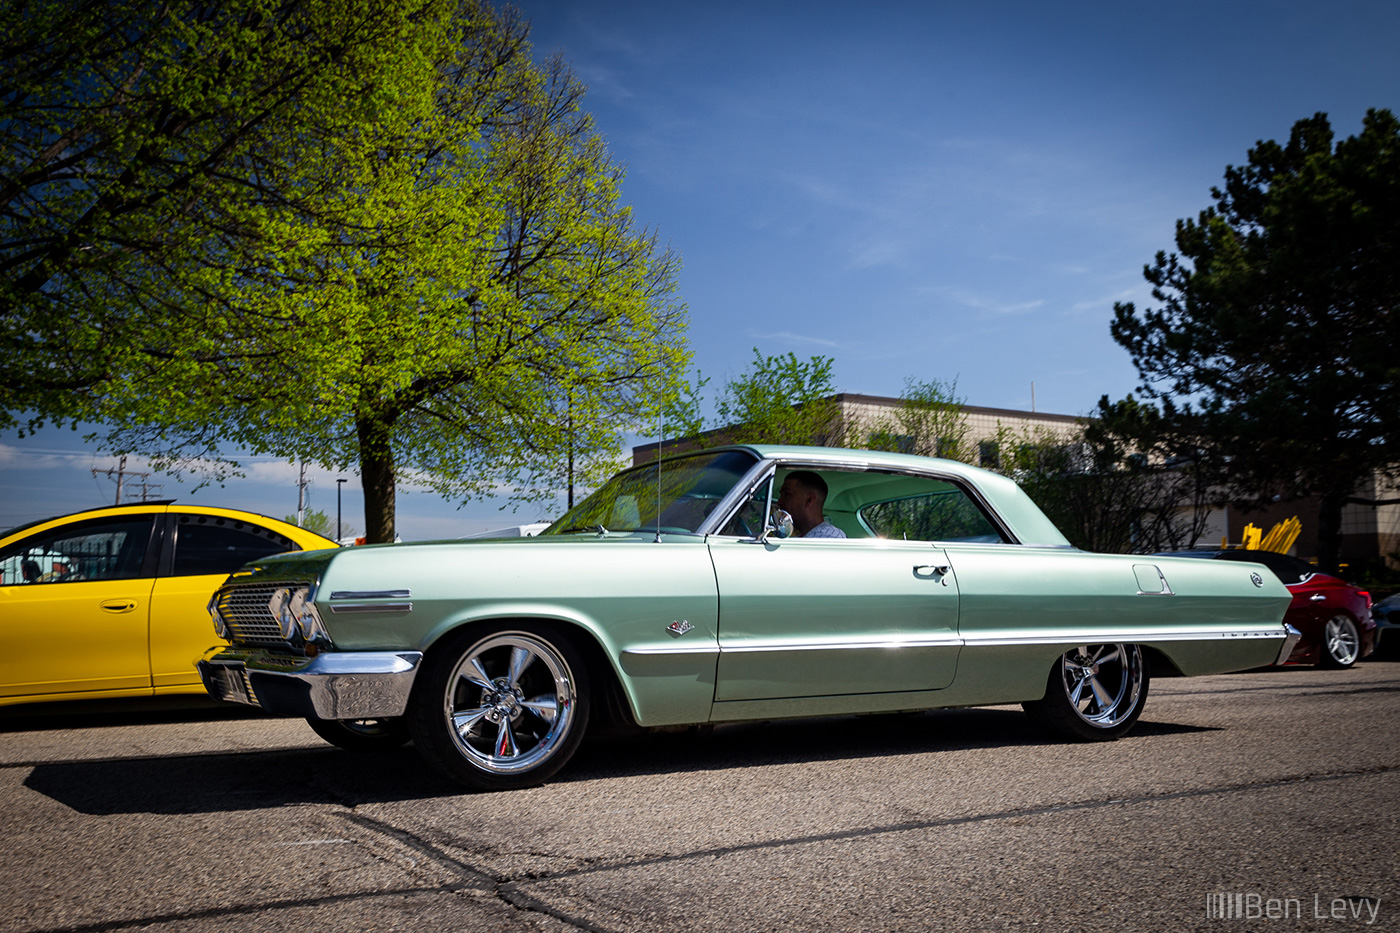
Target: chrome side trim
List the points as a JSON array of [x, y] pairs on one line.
[[1126, 637], [893, 641], [371, 594], [372, 607], [654, 650], [987, 640]]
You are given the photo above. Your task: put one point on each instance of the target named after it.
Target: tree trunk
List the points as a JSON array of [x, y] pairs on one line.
[[1329, 530], [377, 475]]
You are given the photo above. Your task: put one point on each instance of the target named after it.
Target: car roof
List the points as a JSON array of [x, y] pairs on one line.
[[162, 506], [1013, 506]]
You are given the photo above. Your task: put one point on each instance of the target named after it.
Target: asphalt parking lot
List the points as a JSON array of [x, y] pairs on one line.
[[1265, 800]]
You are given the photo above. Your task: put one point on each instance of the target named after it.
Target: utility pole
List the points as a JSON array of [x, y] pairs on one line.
[[338, 484], [301, 497], [121, 474]]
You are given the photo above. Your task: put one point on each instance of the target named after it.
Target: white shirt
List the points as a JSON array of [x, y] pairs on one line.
[[825, 530]]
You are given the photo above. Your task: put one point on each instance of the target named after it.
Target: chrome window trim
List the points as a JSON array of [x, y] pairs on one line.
[[733, 500], [765, 469]]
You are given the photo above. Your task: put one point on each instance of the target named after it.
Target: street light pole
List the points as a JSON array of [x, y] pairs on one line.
[[338, 483]]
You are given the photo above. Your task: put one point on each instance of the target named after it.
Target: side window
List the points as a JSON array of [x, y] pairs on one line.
[[748, 522], [104, 549], [211, 544], [945, 515]]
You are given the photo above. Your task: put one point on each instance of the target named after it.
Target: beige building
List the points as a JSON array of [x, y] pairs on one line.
[[859, 415]]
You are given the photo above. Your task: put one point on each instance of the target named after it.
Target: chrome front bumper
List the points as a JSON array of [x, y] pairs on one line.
[[335, 685]]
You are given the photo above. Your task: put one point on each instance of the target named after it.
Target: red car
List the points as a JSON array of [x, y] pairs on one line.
[[1334, 616]]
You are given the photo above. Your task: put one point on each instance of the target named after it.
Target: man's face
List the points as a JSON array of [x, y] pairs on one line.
[[790, 496]]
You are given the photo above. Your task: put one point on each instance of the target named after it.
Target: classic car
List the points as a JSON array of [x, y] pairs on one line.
[[112, 602], [1333, 617], [677, 594]]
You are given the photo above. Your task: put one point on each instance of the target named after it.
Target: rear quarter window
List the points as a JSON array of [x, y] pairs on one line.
[[211, 544]]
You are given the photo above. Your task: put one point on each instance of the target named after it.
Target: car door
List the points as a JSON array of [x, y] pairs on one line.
[[81, 624], [203, 548], [832, 616]]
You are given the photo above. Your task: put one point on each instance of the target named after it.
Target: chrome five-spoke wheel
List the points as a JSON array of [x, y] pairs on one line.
[[1093, 692], [503, 710], [1341, 642]]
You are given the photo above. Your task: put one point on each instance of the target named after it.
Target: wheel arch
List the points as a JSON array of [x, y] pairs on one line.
[[614, 703]]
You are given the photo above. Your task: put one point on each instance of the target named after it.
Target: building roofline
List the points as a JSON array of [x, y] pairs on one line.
[[970, 409]]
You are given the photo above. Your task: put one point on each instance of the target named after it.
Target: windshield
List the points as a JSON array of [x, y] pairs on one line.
[[688, 490]]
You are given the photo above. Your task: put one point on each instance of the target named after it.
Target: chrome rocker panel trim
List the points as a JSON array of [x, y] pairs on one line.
[[340, 685]]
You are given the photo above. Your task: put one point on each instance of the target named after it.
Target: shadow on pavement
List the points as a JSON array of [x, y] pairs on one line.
[[222, 782], [85, 714]]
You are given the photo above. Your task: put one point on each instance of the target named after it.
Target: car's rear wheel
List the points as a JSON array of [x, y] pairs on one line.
[[362, 735], [1341, 642], [502, 709], [1094, 692]]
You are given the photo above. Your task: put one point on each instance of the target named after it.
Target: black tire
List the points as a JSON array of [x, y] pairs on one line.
[[363, 735], [1341, 643], [1094, 693], [503, 708]]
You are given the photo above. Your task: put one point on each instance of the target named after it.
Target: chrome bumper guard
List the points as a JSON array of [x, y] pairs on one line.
[[335, 685], [1289, 643]]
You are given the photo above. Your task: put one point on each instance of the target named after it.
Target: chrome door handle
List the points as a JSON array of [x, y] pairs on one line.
[[933, 572], [1316, 598]]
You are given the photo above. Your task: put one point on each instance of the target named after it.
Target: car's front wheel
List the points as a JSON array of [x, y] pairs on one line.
[[501, 709], [362, 735], [1341, 642], [1094, 692]]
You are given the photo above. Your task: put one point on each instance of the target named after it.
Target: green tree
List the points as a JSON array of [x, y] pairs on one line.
[[420, 288], [323, 524], [781, 400], [929, 421], [1273, 342], [1107, 496], [143, 148]]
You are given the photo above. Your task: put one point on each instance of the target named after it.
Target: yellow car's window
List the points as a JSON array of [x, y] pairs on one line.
[[212, 544], [104, 549]]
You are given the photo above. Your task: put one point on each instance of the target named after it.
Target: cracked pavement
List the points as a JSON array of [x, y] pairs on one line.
[[1282, 783]]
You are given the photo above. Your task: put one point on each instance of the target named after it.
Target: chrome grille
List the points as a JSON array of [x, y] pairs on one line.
[[245, 612]]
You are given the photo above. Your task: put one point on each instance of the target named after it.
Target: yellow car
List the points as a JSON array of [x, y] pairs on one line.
[[114, 602]]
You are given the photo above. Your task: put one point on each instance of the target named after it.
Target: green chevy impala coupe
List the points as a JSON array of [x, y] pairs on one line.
[[680, 593]]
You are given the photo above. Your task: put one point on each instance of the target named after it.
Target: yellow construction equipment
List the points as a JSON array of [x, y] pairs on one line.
[[1279, 539]]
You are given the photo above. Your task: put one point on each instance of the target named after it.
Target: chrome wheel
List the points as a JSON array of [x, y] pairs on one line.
[[1341, 642], [1093, 692], [507, 710]]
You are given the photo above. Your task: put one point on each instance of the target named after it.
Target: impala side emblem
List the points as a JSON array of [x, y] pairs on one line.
[[1258, 580], [679, 627]]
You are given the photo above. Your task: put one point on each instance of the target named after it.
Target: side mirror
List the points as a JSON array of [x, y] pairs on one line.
[[779, 525]]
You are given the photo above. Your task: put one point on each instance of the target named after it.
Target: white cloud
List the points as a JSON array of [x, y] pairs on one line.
[[987, 304], [796, 338]]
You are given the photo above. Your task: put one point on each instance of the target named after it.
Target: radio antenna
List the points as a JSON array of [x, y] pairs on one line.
[[660, 436]]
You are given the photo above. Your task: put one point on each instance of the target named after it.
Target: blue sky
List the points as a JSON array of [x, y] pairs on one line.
[[957, 191]]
